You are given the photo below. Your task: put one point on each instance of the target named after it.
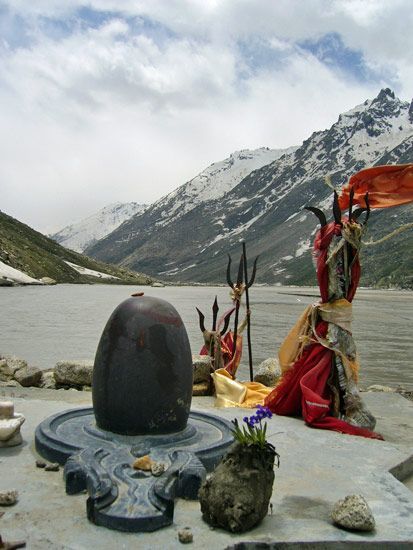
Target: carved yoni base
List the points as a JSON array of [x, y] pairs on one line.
[[101, 462]]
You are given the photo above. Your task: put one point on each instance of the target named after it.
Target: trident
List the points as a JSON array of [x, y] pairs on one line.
[[215, 309], [237, 291]]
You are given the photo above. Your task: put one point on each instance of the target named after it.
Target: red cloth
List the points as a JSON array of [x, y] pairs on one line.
[[303, 389], [321, 243], [227, 344]]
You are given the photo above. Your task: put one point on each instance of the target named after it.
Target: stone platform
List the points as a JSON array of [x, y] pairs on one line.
[[317, 468]]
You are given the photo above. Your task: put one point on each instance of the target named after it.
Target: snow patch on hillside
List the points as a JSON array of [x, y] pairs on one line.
[[84, 233], [90, 272], [11, 274]]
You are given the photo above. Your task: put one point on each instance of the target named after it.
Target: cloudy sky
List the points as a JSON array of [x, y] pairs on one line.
[[125, 100]]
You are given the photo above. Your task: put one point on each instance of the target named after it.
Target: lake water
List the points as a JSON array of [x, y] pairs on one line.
[[46, 324]]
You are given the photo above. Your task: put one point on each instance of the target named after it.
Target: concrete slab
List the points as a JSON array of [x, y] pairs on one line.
[[317, 468]]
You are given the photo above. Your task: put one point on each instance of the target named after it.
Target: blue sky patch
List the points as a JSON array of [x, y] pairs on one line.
[[259, 55], [331, 50]]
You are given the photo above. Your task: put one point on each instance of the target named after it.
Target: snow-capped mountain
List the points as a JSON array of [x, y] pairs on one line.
[[215, 181], [180, 238], [84, 233], [211, 184]]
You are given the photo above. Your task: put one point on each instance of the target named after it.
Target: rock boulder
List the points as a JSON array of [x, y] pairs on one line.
[[73, 373], [268, 372], [9, 366], [353, 513], [28, 376], [202, 368]]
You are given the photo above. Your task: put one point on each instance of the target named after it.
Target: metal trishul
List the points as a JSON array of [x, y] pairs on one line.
[[239, 287], [353, 216], [215, 309]]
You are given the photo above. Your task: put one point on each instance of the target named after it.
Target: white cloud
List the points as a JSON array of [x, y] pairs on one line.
[[127, 105]]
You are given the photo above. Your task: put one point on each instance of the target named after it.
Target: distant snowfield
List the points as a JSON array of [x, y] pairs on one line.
[[82, 234], [12, 274], [92, 272]]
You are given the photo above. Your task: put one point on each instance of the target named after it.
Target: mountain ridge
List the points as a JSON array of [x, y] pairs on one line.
[[266, 207]]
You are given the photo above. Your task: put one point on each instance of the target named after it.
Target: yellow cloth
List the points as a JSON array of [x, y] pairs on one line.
[[293, 342], [231, 393], [338, 312]]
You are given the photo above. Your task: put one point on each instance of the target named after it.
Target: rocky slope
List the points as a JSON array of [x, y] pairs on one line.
[[26, 253], [78, 236], [211, 184], [179, 241]]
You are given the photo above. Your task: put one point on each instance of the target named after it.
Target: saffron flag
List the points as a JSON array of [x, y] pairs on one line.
[[389, 185]]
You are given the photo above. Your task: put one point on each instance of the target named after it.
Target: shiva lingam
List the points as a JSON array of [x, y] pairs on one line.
[[142, 391]]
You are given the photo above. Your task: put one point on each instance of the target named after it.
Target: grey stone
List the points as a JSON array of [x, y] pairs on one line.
[[28, 376], [353, 513], [202, 368], [15, 363], [8, 498], [48, 380], [48, 281], [185, 535], [5, 371], [8, 366], [378, 387], [268, 372], [74, 373]]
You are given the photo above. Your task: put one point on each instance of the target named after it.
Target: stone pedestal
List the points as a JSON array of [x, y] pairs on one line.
[[142, 391]]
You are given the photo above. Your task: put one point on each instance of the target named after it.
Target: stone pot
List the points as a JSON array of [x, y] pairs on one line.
[[237, 494]]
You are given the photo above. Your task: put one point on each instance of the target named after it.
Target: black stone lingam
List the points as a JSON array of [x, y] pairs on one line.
[[142, 390], [142, 377]]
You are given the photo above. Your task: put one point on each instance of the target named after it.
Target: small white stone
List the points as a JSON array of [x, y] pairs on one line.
[[157, 469], [353, 513]]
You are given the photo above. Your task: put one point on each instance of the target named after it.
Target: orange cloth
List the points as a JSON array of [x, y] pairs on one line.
[[389, 185]]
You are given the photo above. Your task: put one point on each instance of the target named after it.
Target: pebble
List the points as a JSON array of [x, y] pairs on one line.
[[8, 498], [157, 469], [143, 463], [353, 513], [53, 467], [40, 464], [185, 535]]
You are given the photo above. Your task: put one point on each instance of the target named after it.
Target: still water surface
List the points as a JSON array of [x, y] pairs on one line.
[[51, 323]]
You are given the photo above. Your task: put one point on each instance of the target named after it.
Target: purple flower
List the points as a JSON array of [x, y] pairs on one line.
[[263, 412]]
